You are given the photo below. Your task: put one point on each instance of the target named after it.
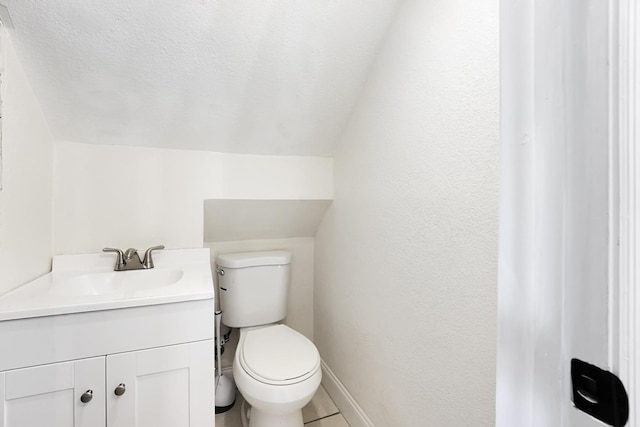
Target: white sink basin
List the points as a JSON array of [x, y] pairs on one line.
[[115, 282], [87, 282]]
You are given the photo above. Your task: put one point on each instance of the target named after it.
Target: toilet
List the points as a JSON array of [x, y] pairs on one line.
[[276, 369]]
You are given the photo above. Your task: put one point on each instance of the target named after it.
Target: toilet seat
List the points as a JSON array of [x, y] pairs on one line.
[[278, 355]]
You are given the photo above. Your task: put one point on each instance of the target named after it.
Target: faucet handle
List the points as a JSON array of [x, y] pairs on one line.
[[129, 253], [147, 262], [119, 258]]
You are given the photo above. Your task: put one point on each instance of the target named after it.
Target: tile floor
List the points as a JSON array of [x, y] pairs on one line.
[[320, 412]]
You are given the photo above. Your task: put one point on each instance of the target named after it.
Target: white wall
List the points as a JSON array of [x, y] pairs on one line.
[[228, 220], [406, 258], [25, 200], [133, 196]]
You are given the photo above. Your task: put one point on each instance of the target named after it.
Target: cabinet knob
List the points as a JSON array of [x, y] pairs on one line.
[[86, 396], [119, 391]]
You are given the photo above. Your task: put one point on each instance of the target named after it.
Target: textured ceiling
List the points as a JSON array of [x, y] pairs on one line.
[[243, 76]]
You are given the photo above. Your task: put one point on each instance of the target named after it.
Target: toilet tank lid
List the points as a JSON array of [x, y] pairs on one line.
[[253, 259]]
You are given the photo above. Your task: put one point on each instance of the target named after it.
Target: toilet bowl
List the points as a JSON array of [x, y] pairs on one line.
[[277, 371]]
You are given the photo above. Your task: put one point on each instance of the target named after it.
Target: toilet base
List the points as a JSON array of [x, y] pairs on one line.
[[252, 417], [223, 409]]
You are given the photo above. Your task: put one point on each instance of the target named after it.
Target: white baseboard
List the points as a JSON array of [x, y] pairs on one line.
[[351, 411]]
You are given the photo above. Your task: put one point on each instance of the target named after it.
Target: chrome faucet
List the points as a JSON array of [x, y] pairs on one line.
[[130, 260]]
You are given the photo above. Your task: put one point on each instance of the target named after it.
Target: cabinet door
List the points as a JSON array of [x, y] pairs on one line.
[[49, 395], [162, 387]]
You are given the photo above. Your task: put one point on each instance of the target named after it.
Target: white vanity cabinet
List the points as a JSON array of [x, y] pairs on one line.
[[138, 345]]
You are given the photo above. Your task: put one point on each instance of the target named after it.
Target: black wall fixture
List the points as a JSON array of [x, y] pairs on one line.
[[599, 393]]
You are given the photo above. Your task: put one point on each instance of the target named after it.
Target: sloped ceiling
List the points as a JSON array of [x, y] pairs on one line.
[[243, 76]]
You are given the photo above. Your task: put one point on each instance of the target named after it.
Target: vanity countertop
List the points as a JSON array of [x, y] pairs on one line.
[[87, 282]]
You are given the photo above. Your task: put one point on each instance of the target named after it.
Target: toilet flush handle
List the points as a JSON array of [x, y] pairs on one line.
[[221, 273]]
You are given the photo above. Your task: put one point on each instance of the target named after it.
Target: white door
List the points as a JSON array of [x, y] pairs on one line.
[[50, 395], [556, 231], [163, 387]]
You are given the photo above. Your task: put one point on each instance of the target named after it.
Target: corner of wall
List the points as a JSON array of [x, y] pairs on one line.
[[26, 198]]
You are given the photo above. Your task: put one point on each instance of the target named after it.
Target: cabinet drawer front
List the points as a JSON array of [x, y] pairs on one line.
[[52, 339]]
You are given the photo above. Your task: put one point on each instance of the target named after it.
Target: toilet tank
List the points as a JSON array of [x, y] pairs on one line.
[[253, 287]]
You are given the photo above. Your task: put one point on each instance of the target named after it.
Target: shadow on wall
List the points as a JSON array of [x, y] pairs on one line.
[[230, 220], [259, 225]]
